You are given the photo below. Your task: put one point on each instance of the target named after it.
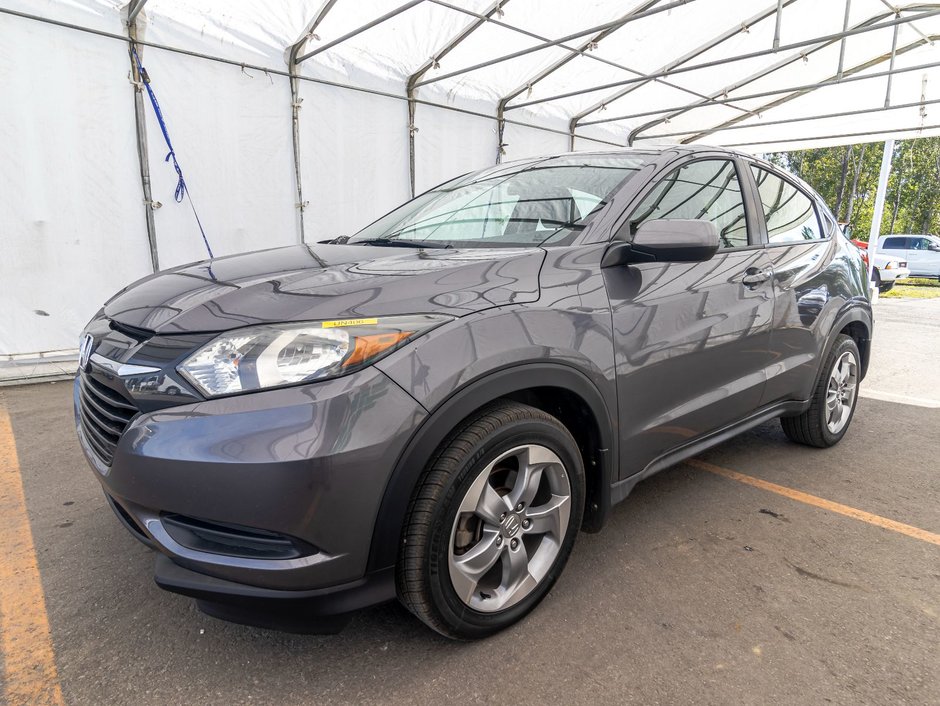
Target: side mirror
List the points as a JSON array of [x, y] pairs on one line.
[[665, 241]]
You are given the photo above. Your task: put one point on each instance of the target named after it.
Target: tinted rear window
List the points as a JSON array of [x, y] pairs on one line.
[[790, 213]]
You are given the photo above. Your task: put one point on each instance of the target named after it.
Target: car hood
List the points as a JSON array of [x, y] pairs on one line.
[[313, 282]]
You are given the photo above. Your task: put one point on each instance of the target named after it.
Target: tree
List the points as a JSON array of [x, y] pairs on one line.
[[848, 176]]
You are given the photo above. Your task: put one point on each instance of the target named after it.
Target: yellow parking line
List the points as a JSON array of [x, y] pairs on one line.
[[29, 671], [802, 497]]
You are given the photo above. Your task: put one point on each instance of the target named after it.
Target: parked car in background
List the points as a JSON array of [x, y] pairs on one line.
[[887, 270], [921, 252], [434, 407]]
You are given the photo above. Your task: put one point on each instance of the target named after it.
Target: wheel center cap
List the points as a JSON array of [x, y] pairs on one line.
[[511, 525]]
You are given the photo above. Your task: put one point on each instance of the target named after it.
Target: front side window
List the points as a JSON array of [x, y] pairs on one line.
[[708, 190], [544, 202], [790, 213], [920, 244]]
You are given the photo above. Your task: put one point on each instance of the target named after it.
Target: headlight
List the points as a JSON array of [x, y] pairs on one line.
[[275, 355]]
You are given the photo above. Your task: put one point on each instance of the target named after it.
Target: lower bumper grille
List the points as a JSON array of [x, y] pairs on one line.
[[104, 415], [234, 540]]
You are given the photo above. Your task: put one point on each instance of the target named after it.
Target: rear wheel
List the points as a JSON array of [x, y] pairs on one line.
[[492, 522], [833, 403]]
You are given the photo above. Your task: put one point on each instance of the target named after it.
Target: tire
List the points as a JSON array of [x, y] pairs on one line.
[[885, 287], [814, 426], [462, 515]]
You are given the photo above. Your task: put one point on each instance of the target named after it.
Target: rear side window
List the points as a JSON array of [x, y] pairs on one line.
[[704, 190], [790, 213], [895, 244]]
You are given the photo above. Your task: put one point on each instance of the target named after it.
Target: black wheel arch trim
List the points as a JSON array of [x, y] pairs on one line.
[[386, 534], [853, 312]]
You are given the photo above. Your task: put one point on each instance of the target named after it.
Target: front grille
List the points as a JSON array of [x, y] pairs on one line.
[[104, 415]]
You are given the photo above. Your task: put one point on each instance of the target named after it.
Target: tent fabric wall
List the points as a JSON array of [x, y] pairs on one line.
[[521, 141], [354, 158], [449, 143], [72, 219], [72, 229], [241, 179]]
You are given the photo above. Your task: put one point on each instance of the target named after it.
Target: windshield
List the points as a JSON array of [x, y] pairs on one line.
[[543, 202]]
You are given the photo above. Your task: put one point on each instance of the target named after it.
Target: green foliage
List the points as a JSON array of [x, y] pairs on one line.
[[912, 202]]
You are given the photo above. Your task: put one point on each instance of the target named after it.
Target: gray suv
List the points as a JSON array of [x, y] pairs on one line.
[[434, 407]]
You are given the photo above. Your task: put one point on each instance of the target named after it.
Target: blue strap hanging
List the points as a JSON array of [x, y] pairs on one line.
[[181, 188]]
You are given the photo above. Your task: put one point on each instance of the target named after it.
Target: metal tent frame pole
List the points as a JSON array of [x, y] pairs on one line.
[[133, 9], [140, 123], [894, 51], [777, 24], [414, 78], [295, 105], [845, 28], [359, 30], [875, 231]]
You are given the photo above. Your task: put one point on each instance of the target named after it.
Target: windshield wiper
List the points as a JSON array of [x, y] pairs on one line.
[[399, 243]]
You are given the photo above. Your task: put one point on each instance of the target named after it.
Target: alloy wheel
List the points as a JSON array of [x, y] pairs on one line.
[[509, 528], [840, 395]]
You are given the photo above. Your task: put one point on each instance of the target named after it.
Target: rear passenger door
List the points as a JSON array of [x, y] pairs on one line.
[[801, 249], [691, 338]]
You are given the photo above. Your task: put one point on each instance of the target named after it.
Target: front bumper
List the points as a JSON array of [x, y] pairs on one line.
[[895, 274], [322, 610], [305, 466]]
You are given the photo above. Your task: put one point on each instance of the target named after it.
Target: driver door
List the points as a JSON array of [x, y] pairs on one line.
[[692, 339]]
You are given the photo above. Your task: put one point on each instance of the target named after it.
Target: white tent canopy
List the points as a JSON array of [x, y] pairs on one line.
[[299, 120]]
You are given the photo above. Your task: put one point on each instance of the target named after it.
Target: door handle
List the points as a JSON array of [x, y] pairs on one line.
[[753, 276]]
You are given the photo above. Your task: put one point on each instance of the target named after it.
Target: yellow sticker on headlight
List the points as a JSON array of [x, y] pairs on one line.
[[349, 322]]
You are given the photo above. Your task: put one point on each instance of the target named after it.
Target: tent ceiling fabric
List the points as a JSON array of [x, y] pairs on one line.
[[798, 81], [790, 83]]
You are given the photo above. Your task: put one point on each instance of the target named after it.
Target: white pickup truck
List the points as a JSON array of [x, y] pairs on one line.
[[888, 268]]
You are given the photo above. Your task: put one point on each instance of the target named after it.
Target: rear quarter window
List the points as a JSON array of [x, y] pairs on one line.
[[790, 213]]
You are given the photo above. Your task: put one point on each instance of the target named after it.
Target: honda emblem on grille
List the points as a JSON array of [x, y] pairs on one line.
[[84, 350]]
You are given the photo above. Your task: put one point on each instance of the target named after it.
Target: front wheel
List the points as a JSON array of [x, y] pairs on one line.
[[492, 522], [833, 403], [885, 287]]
